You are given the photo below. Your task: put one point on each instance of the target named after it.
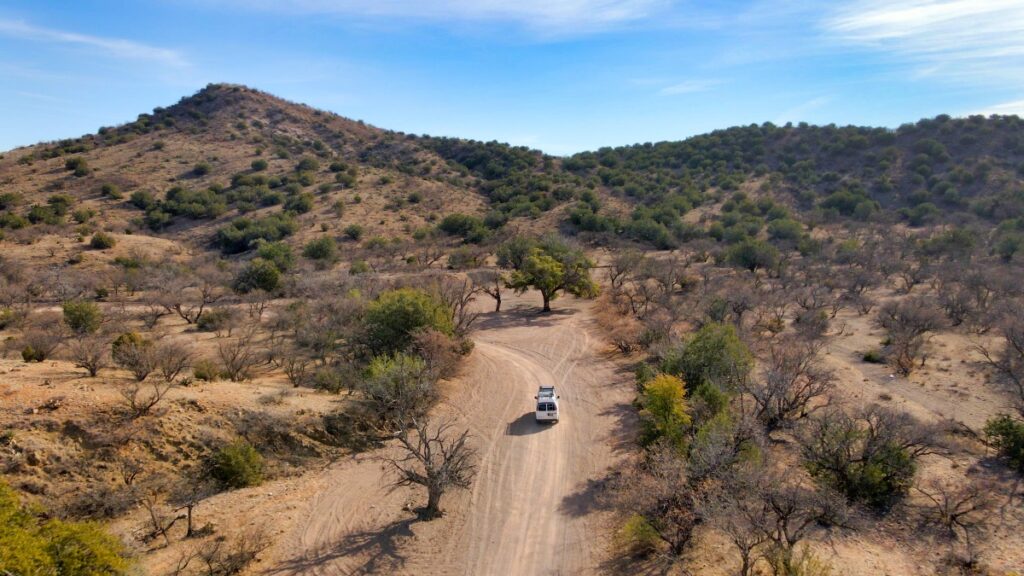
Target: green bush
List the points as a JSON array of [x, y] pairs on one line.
[[323, 248], [307, 164], [359, 267], [393, 318], [206, 371], [469, 228], [243, 233], [82, 317], [300, 203], [259, 165], [354, 231], [874, 356], [30, 354], [201, 169], [752, 254], [277, 252], [238, 465], [1006, 435], [637, 537], [214, 320], [714, 354], [258, 274], [78, 165], [32, 544], [102, 241], [112, 191]]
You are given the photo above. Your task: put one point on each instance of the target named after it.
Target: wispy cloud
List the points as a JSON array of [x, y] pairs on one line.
[[689, 87], [116, 47], [544, 16], [974, 40], [801, 112], [1015, 107]]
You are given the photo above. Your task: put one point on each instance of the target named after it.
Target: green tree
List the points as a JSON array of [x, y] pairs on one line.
[[30, 544], [392, 319], [664, 411], [549, 266], [258, 274], [752, 254], [82, 317], [714, 354], [324, 249]]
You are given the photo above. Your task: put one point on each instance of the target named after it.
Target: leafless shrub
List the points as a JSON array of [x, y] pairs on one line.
[[239, 356], [141, 397], [458, 295], [907, 323], [225, 556], [792, 382], [188, 294], [962, 511], [1008, 362], [434, 459], [438, 350], [660, 492], [90, 353], [296, 368]]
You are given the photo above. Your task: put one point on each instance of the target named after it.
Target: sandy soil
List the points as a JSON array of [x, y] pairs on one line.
[[531, 509]]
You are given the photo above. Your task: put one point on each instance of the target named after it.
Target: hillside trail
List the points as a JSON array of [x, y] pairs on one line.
[[532, 508]]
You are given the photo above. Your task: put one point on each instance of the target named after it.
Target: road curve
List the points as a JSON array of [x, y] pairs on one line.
[[531, 509]]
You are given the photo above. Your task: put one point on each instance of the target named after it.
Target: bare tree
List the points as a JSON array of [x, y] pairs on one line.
[[907, 323], [1008, 362], [188, 294], [296, 368], [792, 382], [489, 282], [458, 295], [230, 556], [239, 356], [963, 511], [789, 512], [90, 353], [434, 459], [660, 491], [623, 264]]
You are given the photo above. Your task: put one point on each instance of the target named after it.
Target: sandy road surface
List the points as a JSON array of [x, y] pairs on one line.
[[531, 509]]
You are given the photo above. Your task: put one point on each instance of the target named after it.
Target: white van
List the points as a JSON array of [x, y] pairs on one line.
[[547, 404]]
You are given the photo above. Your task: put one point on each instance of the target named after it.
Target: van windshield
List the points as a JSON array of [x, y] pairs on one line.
[[545, 407]]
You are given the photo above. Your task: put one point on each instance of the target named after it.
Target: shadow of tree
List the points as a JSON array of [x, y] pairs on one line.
[[378, 551]]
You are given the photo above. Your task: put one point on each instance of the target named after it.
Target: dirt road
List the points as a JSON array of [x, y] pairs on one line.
[[531, 509]]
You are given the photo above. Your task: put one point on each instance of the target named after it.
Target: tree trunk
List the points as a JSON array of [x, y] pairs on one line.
[[433, 508], [497, 303], [547, 301]]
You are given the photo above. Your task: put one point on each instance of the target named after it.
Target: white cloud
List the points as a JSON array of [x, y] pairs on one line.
[[689, 87], [801, 112], [968, 40], [544, 16], [1015, 107], [119, 48]]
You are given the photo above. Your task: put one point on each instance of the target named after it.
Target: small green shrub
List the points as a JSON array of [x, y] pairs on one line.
[[215, 320], [112, 191], [322, 249], [258, 274], [259, 165], [201, 169], [874, 356], [1006, 435], [102, 241], [82, 317], [206, 370], [393, 318], [238, 465], [359, 267], [354, 231], [30, 354], [637, 537]]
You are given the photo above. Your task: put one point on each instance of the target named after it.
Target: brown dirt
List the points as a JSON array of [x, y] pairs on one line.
[[532, 508]]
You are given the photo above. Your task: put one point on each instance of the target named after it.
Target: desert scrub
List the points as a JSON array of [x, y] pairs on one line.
[[238, 465]]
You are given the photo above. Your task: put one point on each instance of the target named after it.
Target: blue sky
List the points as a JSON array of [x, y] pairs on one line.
[[562, 76]]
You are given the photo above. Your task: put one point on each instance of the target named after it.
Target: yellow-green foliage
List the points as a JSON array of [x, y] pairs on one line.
[[637, 536], [803, 563], [31, 545], [664, 410]]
